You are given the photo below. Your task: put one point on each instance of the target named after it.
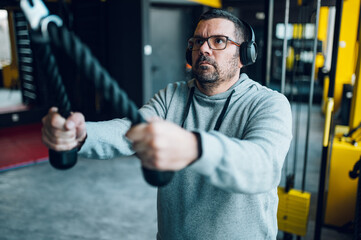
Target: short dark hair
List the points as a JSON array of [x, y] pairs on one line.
[[241, 32]]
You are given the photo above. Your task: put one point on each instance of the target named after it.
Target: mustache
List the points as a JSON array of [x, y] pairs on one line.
[[206, 59]]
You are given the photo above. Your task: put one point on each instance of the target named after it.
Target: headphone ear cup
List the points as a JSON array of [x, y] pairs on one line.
[[189, 56], [248, 53], [252, 52], [242, 53]]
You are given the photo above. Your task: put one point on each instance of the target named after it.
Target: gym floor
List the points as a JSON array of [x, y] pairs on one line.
[[107, 200]]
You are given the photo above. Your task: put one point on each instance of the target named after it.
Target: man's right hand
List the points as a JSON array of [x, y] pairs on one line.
[[62, 134]]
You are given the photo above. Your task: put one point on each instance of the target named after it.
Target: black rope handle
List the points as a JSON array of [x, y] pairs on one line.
[[113, 94], [63, 159]]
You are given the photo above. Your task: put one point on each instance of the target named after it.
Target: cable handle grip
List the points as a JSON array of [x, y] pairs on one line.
[[64, 159], [153, 177]]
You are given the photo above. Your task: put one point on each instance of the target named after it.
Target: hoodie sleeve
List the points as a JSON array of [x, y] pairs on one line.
[[106, 139], [251, 163]]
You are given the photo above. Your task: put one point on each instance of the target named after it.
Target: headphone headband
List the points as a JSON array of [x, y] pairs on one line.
[[250, 29]]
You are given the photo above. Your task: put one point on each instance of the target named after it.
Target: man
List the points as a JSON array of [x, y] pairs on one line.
[[225, 135]]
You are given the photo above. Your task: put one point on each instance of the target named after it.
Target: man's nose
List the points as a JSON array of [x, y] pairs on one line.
[[205, 47]]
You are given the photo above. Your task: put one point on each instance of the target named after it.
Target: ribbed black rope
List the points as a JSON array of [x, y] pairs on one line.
[[49, 65], [64, 159], [113, 94], [92, 69]]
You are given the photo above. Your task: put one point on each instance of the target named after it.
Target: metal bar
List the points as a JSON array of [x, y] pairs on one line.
[[330, 33], [297, 134], [267, 50], [283, 81], [297, 46], [284, 51], [355, 114], [310, 100], [335, 44], [331, 89]]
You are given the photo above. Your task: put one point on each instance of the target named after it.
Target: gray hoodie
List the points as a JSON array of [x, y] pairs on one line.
[[230, 192]]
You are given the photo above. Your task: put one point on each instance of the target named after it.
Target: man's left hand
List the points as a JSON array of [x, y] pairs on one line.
[[162, 145]]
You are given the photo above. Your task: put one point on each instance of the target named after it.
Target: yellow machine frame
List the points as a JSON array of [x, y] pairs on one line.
[[341, 192], [346, 58], [341, 196]]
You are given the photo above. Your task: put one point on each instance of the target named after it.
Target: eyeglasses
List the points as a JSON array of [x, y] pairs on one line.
[[217, 42]]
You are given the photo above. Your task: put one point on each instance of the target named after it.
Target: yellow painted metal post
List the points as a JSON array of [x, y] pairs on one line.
[[322, 25], [346, 52], [347, 48], [355, 114], [322, 36]]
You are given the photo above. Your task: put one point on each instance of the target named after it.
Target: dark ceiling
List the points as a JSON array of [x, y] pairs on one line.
[[247, 3], [247, 8]]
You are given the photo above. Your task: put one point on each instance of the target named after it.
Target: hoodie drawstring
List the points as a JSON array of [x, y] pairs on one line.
[[221, 116]]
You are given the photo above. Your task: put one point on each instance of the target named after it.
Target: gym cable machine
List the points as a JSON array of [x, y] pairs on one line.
[[294, 205]]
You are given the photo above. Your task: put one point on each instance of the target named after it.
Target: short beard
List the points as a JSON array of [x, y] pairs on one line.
[[213, 79], [206, 80]]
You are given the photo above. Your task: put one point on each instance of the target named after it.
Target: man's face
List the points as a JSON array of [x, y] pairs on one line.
[[215, 66]]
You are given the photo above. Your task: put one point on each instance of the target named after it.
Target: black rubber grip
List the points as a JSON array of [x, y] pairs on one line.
[[157, 178], [63, 160]]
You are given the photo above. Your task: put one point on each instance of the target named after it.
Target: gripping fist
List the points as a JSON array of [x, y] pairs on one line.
[[62, 134], [163, 145]]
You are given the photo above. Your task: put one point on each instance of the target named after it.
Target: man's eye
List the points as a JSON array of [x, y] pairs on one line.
[[199, 41], [219, 40]]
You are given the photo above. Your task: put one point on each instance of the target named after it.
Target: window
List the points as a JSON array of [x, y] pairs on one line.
[[5, 49]]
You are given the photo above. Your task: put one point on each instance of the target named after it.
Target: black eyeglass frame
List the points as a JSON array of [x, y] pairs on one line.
[[190, 46]]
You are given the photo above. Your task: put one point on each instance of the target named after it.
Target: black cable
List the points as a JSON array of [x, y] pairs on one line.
[[113, 94], [352, 131]]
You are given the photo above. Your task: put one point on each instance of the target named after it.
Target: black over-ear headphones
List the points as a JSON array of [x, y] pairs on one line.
[[247, 50]]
